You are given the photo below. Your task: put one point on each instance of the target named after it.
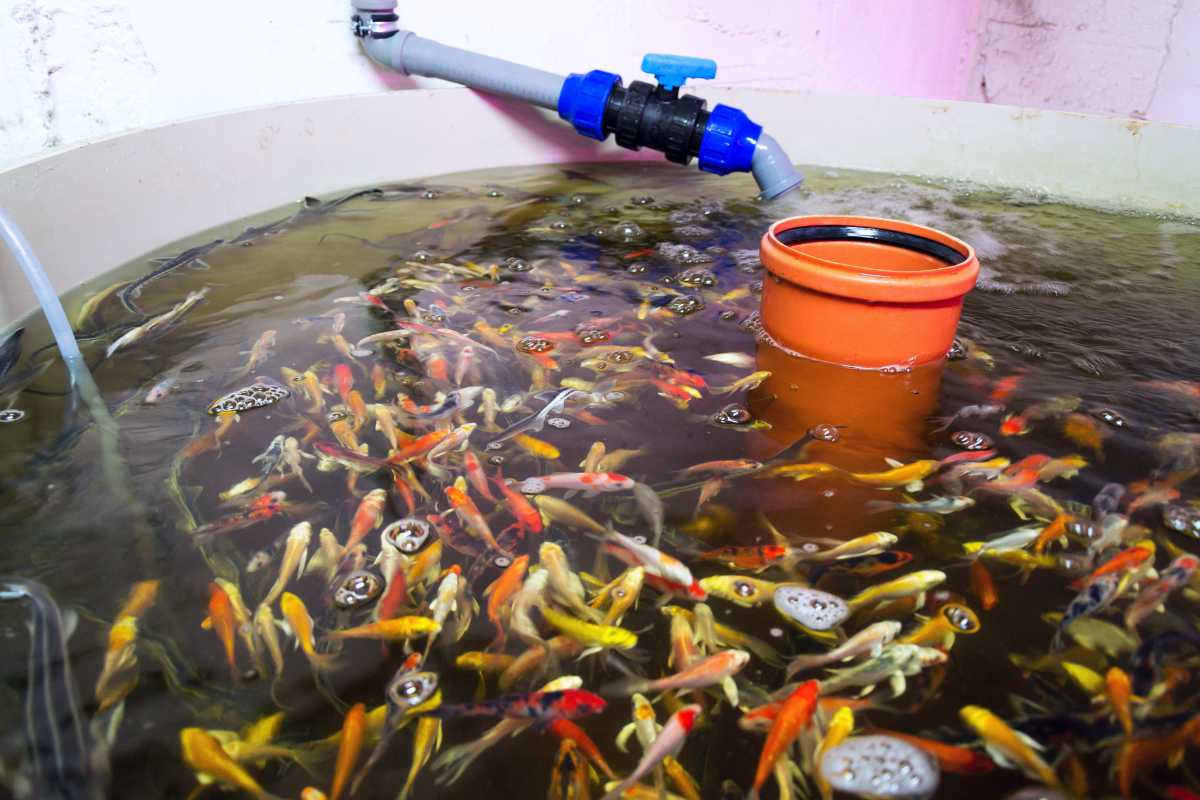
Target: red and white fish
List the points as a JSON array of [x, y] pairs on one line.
[[476, 476], [663, 571], [588, 482], [669, 742]]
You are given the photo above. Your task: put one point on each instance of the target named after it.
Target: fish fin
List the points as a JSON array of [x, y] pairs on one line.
[[893, 463], [70, 621], [623, 735], [1029, 740], [731, 690], [997, 755]]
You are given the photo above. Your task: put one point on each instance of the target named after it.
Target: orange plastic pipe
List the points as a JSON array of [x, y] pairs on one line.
[[880, 415], [863, 303]]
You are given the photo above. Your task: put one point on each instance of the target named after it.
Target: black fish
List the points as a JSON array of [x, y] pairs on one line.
[[10, 351], [192, 254], [66, 763], [1151, 653]]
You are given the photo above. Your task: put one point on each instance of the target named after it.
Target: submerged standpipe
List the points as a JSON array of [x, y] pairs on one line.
[[858, 314], [597, 103]]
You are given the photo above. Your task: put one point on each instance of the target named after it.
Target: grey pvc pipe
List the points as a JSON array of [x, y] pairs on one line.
[[414, 55], [772, 169]]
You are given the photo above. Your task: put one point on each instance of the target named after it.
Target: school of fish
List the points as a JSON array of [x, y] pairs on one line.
[[422, 505]]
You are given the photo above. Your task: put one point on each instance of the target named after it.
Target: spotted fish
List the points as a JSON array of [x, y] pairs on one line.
[[256, 395]]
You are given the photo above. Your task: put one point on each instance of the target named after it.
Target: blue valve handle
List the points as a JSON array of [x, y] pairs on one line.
[[671, 71]]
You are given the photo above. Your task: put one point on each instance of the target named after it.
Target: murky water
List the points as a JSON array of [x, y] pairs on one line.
[[587, 277]]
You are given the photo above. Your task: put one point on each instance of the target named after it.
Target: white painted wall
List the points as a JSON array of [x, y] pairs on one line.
[[73, 70]]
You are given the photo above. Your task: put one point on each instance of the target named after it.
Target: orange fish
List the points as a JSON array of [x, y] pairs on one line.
[[982, 586], [353, 732], [1119, 691], [1085, 431], [529, 519], [418, 448], [395, 595], [1014, 425], [343, 379], [378, 379], [568, 731], [1056, 531], [1006, 387], [952, 758], [477, 476], [752, 557], [1125, 561], [469, 513], [141, 597], [794, 715], [438, 368], [1141, 755], [1152, 494], [358, 408], [367, 518], [499, 594], [224, 623]]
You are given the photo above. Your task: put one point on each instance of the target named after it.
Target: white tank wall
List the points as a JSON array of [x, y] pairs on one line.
[[74, 70], [89, 208]]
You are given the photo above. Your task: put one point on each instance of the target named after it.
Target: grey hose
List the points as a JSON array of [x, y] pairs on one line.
[[414, 55], [81, 378]]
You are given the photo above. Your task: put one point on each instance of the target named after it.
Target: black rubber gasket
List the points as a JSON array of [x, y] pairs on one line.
[[861, 233]]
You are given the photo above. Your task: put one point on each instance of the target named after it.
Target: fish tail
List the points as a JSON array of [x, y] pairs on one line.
[[625, 687], [619, 789], [804, 663], [323, 662]]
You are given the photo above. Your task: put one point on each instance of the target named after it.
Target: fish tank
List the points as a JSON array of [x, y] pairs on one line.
[[493, 481]]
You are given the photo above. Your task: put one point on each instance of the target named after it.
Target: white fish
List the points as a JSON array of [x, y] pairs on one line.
[[870, 640], [159, 322]]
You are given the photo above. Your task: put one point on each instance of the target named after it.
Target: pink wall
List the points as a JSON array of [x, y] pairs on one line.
[[1137, 59], [78, 69]]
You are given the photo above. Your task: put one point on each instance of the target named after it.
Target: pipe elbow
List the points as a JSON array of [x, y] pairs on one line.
[[387, 52], [772, 169]]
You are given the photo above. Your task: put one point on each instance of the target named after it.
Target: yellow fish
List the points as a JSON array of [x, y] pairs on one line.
[[301, 624], [740, 589], [591, 635], [914, 583], [390, 629], [204, 754], [898, 475], [537, 447], [1008, 746], [840, 727]]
